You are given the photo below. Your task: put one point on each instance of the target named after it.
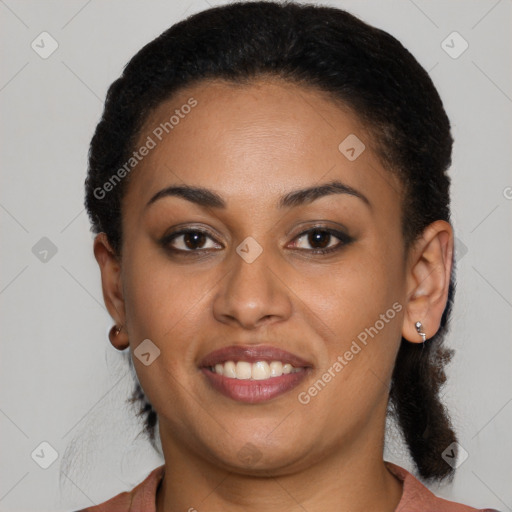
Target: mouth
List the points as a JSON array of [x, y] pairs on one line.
[[253, 374]]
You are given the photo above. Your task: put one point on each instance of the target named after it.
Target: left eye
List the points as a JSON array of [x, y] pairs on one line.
[[321, 240]]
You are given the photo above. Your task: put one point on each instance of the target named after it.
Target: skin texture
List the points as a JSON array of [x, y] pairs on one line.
[[252, 144]]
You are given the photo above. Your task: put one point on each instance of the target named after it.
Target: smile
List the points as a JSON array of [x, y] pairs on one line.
[[260, 370], [253, 374]]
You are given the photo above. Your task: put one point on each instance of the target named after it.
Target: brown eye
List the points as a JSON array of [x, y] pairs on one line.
[[194, 240], [321, 240], [190, 240]]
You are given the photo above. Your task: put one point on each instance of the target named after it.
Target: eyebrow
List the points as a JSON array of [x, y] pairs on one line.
[[207, 198]]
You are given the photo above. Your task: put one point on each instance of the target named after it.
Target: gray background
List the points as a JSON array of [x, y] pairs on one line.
[[62, 382]]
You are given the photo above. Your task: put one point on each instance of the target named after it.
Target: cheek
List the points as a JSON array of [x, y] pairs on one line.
[[361, 302], [162, 304], [351, 296], [162, 300]]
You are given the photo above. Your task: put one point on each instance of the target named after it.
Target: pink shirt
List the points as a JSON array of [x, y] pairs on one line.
[[415, 497]]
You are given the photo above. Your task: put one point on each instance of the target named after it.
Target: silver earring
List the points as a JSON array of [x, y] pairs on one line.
[[419, 328]]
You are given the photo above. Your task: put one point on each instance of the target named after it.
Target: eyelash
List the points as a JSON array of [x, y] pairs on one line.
[[344, 240]]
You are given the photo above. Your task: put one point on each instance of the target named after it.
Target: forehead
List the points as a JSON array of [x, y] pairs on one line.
[[268, 135]]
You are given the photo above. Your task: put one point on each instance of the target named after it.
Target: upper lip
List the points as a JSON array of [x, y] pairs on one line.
[[252, 354]]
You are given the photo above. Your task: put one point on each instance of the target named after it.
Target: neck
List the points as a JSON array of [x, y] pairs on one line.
[[353, 478]]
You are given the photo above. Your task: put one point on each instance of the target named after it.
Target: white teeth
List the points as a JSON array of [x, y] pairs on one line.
[[243, 370], [276, 368], [229, 369], [260, 370]]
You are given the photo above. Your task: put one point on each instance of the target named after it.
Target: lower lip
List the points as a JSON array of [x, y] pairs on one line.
[[254, 391]]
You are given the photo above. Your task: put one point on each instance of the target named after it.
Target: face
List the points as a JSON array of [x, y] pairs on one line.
[[249, 270]]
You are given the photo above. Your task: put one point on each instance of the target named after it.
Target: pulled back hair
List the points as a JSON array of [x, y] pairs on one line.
[[361, 67]]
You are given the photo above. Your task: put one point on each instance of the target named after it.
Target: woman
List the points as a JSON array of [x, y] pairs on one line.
[[269, 192]]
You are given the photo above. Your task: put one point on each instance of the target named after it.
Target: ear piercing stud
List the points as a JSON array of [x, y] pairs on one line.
[[115, 330], [419, 328]]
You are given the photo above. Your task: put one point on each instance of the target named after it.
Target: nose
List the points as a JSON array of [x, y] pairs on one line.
[[252, 294]]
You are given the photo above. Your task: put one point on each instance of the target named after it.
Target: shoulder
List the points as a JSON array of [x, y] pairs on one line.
[[140, 499], [417, 498]]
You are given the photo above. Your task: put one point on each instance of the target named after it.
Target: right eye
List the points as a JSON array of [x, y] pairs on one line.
[[188, 240]]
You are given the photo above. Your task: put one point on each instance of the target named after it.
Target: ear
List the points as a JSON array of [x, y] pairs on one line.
[[110, 267], [428, 280]]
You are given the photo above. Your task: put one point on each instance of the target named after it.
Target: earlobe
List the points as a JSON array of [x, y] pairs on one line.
[[110, 268], [428, 281]]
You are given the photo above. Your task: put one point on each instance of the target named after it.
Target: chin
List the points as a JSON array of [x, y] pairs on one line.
[[260, 458]]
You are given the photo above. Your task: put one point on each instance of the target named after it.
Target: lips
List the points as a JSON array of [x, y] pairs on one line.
[[253, 354], [250, 390]]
